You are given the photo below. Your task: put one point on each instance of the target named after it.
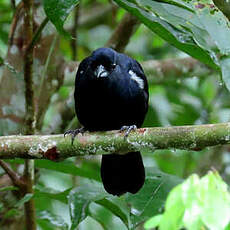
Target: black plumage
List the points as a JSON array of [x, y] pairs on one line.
[[111, 91]]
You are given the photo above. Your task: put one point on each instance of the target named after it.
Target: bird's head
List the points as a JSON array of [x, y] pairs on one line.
[[103, 62], [106, 66]]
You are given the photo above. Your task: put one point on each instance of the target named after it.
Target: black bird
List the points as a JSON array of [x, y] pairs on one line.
[[111, 92]]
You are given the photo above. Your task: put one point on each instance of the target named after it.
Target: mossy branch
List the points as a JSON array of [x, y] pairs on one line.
[[56, 147]]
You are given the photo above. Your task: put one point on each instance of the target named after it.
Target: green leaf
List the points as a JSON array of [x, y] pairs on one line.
[[197, 203], [58, 10], [153, 222], [8, 188], [52, 219], [176, 36], [215, 201], [25, 199], [225, 70], [104, 217], [52, 194], [118, 207], [218, 28], [150, 199], [68, 168], [11, 213], [177, 3], [80, 198]]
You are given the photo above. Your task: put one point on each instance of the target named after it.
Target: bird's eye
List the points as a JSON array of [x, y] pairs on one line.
[[113, 66]]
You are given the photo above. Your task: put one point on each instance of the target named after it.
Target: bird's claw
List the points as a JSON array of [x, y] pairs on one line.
[[74, 133], [128, 129]]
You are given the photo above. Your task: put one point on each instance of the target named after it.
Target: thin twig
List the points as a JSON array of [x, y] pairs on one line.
[[74, 33], [94, 16], [157, 71], [14, 22], [29, 206], [13, 175], [30, 110]]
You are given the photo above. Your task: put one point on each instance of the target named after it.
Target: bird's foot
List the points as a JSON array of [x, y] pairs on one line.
[[74, 133], [128, 129]]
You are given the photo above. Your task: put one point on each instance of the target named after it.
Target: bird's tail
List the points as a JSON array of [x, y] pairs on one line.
[[122, 173]]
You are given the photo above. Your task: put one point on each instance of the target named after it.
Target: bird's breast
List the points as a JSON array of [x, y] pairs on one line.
[[108, 107]]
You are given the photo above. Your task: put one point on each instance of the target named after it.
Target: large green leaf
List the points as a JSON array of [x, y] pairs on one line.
[[41, 192], [218, 28], [177, 36], [197, 203], [118, 207], [58, 10], [198, 30], [80, 199], [151, 198], [106, 218], [225, 69]]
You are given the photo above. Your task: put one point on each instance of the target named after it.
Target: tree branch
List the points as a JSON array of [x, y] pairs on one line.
[[56, 147], [156, 71], [94, 16], [177, 68], [123, 32]]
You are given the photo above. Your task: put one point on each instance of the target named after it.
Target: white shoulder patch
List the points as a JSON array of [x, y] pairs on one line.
[[137, 79]]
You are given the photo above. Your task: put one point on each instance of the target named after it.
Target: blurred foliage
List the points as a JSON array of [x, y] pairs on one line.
[[69, 193], [197, 203]]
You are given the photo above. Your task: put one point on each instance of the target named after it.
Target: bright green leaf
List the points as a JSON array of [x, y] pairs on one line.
[[153, 222], [197, 203]]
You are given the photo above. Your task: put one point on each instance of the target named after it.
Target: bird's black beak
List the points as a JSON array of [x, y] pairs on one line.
[[101, 72]]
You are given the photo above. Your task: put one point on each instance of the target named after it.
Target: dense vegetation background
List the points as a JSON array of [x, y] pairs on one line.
[[184, 47]]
